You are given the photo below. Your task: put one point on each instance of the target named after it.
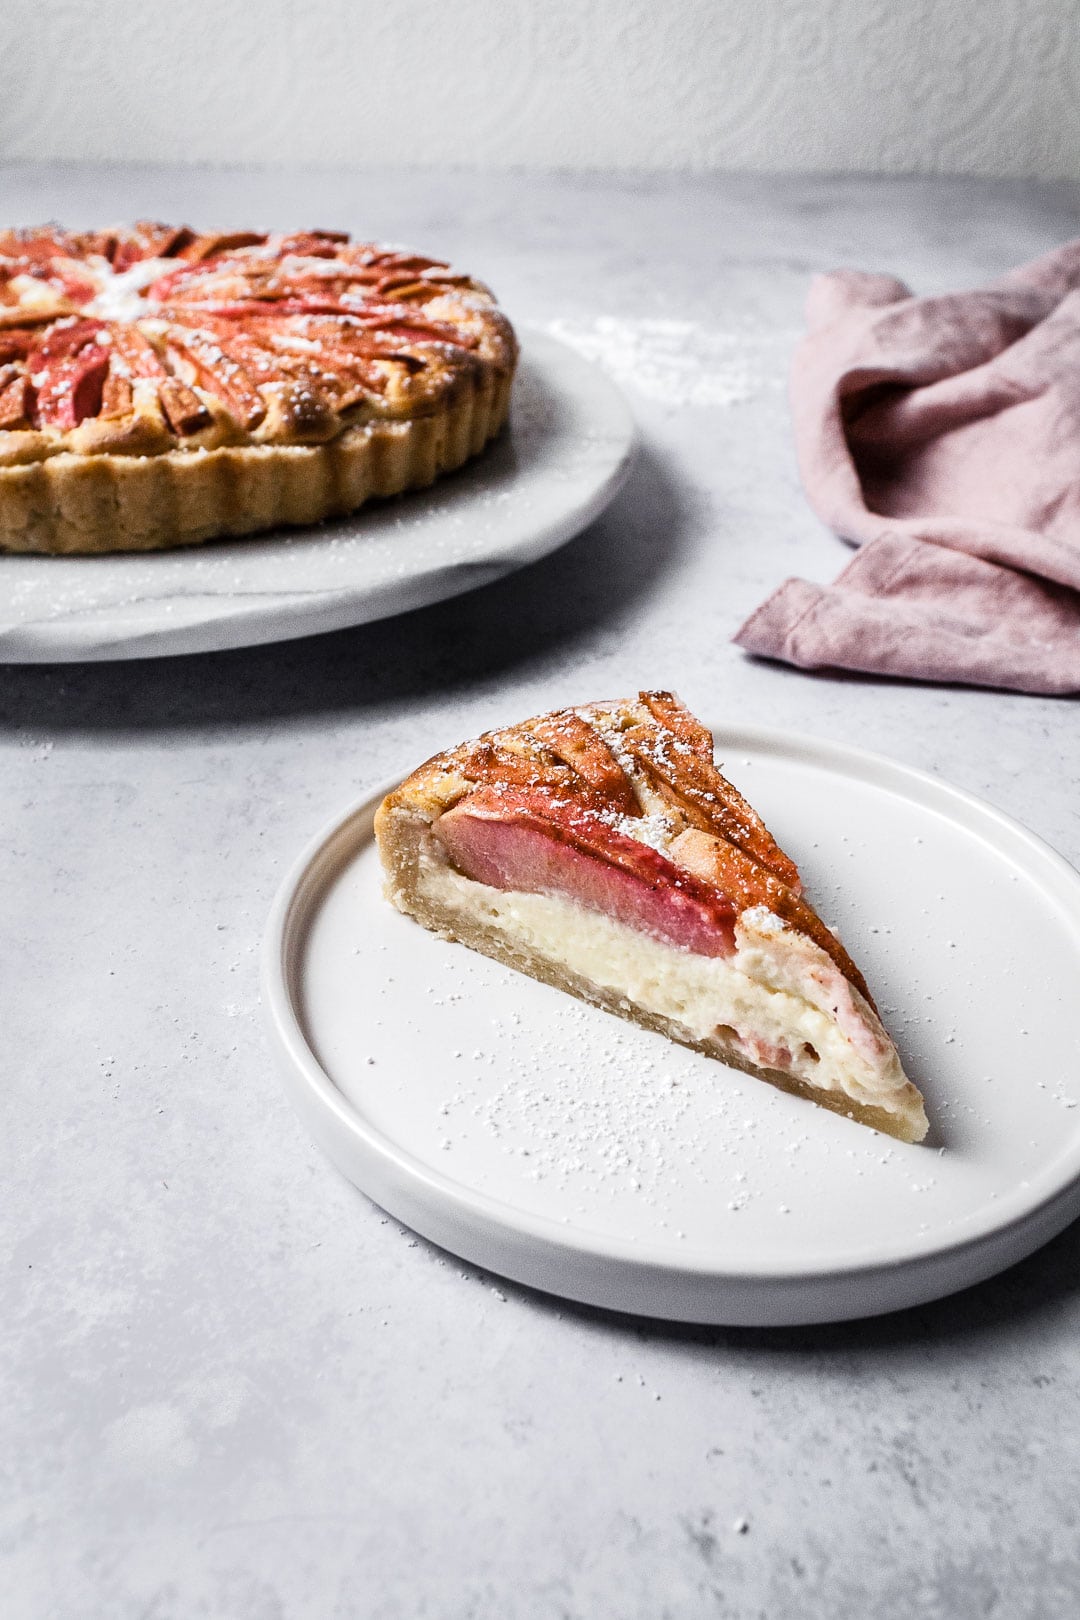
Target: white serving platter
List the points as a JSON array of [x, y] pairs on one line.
[[567, 451], [563, 1148]]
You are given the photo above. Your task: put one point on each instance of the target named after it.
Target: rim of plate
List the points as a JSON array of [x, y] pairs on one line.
[[321, 861]]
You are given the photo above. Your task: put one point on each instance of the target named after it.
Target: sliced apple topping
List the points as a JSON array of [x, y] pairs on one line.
[[542, 842], [672, 713], [16, 343], [68, 368], [573, 740], [689, 781], [214, 369], [212, 245], [748, 884], [184, 410], [133, 352], [16, 399], [564, 782], [284, 334], [313, 244], [117, 396], [514, 760], [148, 240]]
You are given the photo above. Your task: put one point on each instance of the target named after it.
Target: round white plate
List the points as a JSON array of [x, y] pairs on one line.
[[559, 1146], [567, 452]]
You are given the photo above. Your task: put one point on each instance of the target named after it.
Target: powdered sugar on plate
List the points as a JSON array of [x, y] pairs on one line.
[[674, 362]]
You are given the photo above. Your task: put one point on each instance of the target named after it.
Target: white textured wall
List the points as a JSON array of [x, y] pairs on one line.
[[977, 86]]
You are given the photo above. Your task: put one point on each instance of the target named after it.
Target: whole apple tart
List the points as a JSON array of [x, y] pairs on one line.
[[161, 387]]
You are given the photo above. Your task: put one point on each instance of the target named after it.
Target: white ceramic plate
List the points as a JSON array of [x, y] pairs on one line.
[[566, 453], [561, 1147]]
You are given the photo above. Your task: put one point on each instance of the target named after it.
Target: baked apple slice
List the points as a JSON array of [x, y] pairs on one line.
[[599, 849], [533, 840]]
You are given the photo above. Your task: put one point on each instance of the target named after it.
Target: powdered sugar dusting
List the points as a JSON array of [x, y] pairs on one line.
[[673, 362], [121, 295], [655, 829], [638, 1128]]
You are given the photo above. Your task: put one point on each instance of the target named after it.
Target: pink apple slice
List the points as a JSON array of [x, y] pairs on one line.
[[538, 841]]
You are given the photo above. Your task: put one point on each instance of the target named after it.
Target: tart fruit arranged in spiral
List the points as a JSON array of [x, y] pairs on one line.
[[161, 387]]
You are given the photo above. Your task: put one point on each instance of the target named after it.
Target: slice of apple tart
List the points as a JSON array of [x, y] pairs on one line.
[[161, 387], [600, 850]]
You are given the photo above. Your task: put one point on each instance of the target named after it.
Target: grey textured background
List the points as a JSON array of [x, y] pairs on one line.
[[928, 86], [232, 1389]]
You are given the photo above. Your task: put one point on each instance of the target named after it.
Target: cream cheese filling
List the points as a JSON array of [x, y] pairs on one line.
[[705, 995]]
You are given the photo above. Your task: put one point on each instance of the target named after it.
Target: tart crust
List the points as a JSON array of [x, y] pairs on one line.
[[72, 503]]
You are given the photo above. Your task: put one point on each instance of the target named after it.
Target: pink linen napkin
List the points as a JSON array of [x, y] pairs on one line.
[[944, 435]]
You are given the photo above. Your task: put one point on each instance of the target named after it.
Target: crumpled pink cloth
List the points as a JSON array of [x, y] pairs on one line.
[[943, 434]]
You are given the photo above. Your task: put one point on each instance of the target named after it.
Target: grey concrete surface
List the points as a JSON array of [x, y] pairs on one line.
[[234, 1390]]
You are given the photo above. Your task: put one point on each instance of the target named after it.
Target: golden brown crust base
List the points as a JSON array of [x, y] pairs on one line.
[[84, 504]]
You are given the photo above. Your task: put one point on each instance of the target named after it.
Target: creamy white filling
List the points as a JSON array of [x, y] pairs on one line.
[[704, 995]]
